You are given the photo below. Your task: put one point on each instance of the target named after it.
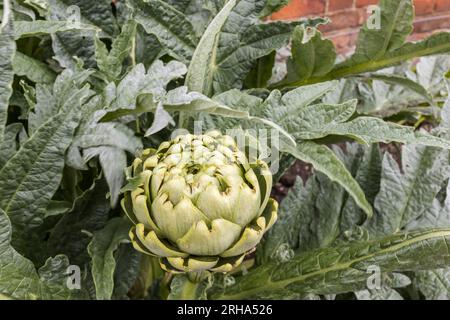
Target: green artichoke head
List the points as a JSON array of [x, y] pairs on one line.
[[198, 204]]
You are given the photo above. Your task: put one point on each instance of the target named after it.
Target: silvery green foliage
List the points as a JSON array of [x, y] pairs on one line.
[[80, 94]]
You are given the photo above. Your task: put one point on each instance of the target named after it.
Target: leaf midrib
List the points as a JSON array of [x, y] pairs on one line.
[[278, 285]]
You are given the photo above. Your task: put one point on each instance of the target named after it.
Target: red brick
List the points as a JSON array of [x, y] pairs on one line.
[[442, 5], [423, 7], [342, 20], [418, 36], [344, 41], [300, 8], [336, 5], [432, 23], [364, 3]]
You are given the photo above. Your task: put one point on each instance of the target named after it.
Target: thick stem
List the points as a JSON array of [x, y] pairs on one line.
[[189, 290]]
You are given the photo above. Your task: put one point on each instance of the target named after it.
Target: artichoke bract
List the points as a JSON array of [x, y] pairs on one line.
[[198, 204]]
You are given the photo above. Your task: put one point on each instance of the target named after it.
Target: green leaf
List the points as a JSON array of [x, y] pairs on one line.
[[308, 218], [408, 191], [200, 74], [370, 130], [101, 249], [178, 100], [171, 27], [280, 108], [128, 265], [38, 166], [324, 160], [342, 268], [33, 69], [25, 29], [154, 81], [312, 120], [384, 293], [261, 72], [434, 284], [312, 56], [53, 278], [366, 168], [232, 43], [72, 46], [273, 6], [89, 212], [238, 52], [437, 43], [112, 160], [111, 62], [98, 13], [181, 288], [405, 82], [9, 145], [437, 215], [7, 51], [396, 24], [19, 279], [431, 70]]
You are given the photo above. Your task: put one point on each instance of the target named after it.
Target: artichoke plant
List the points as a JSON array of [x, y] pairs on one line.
[[198, 204]]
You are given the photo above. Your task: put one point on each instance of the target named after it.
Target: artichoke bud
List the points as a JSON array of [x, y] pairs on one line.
[[198, 204]]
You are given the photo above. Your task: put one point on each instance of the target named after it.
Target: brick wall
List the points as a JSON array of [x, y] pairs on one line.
[[348, 15]]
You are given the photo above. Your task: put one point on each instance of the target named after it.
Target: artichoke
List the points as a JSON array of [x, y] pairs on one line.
[[198, 204]]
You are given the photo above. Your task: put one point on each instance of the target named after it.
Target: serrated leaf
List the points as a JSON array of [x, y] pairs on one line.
[[261, 72], [437, 43], [111, 62], [53, 277], [408, 191], [33, 69], [138, 82], [273, 6], [25, 29], [312, 56], [9, 146], [237, 55], [395, 25], [366, 168], [370, 130], [324, 160], [436, 215], [128, 264], [342, 268], [98, 13], [384, 293], [232, 43], [7, 51], [101, 250], [80, 44], [38, 166], [171, 27], [199, 77], [281, 107], [19, 279], [112, 160], [430, 72], [310, 121], [434, 284], [405, 82], [89, 212]]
